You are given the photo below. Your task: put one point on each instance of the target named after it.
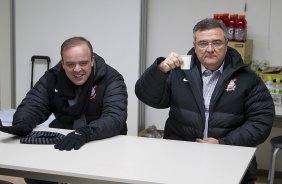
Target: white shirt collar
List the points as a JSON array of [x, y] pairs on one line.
[[203, 68]]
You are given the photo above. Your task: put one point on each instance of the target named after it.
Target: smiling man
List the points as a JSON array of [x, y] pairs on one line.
[[84, 93], [218, 101]]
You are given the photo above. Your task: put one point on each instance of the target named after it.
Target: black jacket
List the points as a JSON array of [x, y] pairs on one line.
[[105, 106], [241, 108]]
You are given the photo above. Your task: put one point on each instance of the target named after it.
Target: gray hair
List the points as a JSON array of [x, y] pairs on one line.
[[209, 23]]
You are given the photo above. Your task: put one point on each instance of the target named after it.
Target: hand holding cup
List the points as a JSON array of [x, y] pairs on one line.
[[175, 60]]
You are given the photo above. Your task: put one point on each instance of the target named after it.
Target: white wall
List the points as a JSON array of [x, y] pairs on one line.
[[5, 56], [170, 25], [113, 28], [264, 28]]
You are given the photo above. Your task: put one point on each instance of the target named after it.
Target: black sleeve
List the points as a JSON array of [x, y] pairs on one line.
[[152, 87], [34, 108]]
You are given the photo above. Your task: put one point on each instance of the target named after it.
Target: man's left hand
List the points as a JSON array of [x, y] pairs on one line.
[[73, 140], [209, 140]]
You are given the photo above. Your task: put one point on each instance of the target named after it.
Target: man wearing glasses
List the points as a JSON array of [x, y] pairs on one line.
[[218, 101]]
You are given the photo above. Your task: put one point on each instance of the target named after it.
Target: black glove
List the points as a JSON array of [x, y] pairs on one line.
[[20, 129], [73, 140]]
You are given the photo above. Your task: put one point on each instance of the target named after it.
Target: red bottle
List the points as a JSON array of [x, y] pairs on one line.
[[220, 17], [216, 16], [243, 17], [231, 28], [241, 29], [225, 19]]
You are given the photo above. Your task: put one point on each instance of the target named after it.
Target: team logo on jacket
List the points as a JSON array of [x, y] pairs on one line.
[[93, 92], [232, 85]]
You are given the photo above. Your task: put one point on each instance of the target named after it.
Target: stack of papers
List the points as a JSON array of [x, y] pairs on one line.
[[6, 117]]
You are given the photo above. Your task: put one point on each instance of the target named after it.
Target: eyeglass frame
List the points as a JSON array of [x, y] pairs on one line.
[[212, 43]]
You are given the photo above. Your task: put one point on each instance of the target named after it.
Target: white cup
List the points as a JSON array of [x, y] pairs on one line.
[[187, 62]]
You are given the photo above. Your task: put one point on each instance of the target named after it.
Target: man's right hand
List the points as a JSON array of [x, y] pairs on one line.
[[172, 61], [20, 129]]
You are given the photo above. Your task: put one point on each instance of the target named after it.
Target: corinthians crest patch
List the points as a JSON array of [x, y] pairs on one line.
[[93, 92], [232, 85]]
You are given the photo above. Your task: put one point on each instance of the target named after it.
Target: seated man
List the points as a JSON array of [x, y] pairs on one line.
[[84, 93], [218, 101]]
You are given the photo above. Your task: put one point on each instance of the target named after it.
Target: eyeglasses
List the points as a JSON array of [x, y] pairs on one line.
[[216, 44]]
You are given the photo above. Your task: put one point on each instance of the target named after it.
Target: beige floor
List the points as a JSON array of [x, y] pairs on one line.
[[14, 180], [263, 180]]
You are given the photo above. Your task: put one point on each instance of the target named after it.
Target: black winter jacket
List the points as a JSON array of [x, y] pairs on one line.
[[241, 108], [106, 103]]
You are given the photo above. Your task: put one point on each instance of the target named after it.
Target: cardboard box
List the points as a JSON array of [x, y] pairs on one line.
[[244, 48], [146, 133]]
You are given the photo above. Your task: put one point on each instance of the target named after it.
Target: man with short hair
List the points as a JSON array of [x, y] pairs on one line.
[[218, 101], [84, 93]]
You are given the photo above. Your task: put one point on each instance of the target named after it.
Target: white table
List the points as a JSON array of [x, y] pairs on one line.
[[126, 159]]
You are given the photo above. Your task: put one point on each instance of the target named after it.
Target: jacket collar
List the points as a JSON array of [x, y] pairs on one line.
[[66, 88]]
